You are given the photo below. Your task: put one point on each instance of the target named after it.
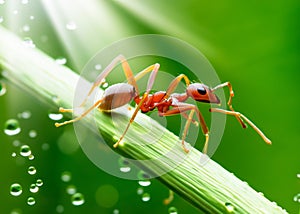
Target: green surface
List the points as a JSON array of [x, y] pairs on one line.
[[254, 45]]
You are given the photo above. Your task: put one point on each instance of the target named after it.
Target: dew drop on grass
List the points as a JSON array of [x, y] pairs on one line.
[[229, 207], [71, 189], [66, 176], [13, 154], [25, 151], [172, 210], [16, 143], [55, 116], [16, 189], [39, 182], [298, 175], [30, 201], [77, 199], [124, 165], [34, 188], [71, 25], [27, 41], [12, 127], [31, 157], [143, 175], [31, 170], [297, 198], [61, 61], [2, 85], [146, 197]]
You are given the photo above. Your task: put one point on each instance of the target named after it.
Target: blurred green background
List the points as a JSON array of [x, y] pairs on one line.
[[253, 44]]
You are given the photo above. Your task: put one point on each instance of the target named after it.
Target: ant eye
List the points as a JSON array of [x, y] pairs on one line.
[[201, 91]]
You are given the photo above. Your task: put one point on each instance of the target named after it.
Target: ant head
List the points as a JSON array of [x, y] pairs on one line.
[[202, 93]]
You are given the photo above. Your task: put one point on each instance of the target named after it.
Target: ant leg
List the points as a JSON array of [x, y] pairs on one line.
[[79, 117], [229, 103], [180, 108], [175, 83], [99, 80], [149, 86], [170, 198], [237, 114]]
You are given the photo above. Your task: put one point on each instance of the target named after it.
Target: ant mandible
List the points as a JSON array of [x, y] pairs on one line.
[[120, 94]]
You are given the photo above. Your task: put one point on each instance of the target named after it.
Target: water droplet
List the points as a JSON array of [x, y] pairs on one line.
[[172, 210], [31, 170], [298, 175], [26, 28], [71, 25], [16, 211], [45, 146], [31, 17], [15, 189], [61, 61], [140, 191], [39, 182], [229, 207], [1, 19], [105, 85], [125, 169], [30, 201], [12, 127], [2, 1], [24, 1], [146, 197], [66, 176], [116, 211], [77, 199], [297, 198], [145, 183], [28, 42], [13, 154], [2, 85], [25, 151], [32, 133], [98, 67], [31, 157], [60, 208], [55, 116], [124, 165], [143, 175], [34, 188], [71, 189], [24, 115], [16, 143]]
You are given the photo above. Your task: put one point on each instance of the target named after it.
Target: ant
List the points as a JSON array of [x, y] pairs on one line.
[[120, 94]]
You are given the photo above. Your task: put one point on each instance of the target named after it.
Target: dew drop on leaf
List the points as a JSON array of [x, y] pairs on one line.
[[25, 151], [30, 201]]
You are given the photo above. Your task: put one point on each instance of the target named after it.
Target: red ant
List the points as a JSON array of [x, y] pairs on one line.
[[120, 94]]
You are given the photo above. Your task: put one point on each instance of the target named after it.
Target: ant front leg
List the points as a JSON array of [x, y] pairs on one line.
[[237, 114], [229, 103], [181, 108]]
